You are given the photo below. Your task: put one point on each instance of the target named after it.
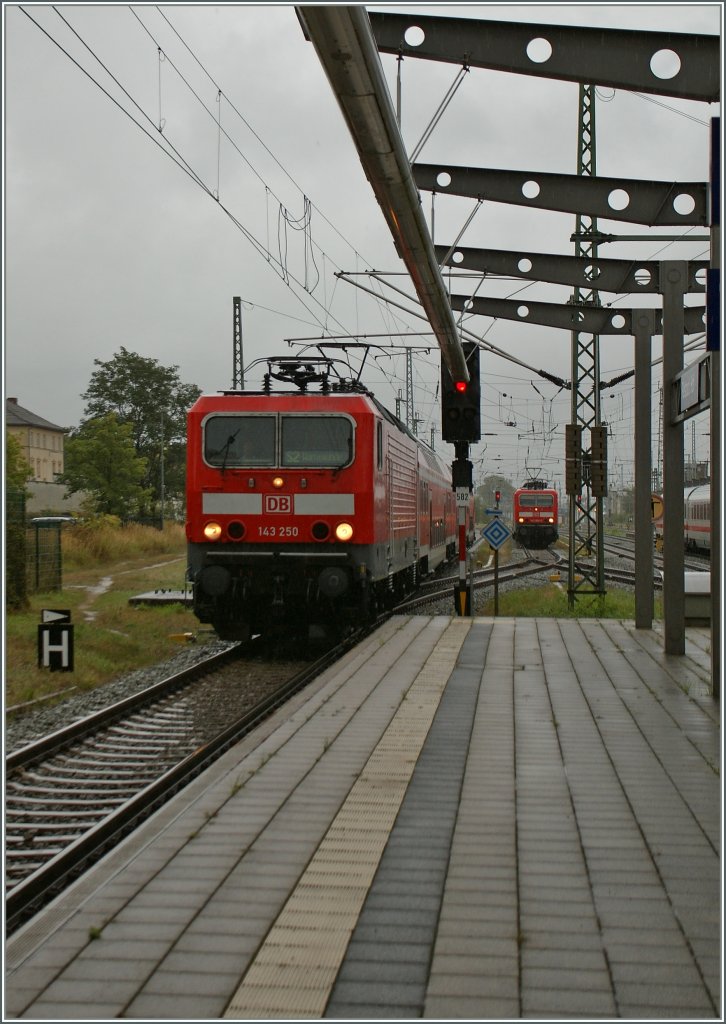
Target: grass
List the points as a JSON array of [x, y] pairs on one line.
[[111, 637], [103, 541], [551, 601]]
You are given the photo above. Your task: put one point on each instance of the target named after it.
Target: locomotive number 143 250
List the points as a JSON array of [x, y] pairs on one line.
[[277, 531]]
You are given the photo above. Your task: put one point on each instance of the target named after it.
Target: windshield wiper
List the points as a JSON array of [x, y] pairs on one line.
[[224, 451], [349, 459]]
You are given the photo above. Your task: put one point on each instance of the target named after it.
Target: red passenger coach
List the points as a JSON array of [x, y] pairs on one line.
[[535, 514], [308, 510]]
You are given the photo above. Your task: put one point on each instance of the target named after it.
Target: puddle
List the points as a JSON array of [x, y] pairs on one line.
[[93, 592], [101, 587]]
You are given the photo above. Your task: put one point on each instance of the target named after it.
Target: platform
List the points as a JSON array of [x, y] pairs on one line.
[[163, 597], [463, 818]]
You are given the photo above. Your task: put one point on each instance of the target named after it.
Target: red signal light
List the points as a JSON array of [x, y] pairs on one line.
[[460, 385]]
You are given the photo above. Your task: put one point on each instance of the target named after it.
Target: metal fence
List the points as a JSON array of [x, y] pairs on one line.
[[44, 568], [33, 559]]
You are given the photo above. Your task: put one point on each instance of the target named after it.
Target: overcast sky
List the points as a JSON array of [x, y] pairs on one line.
[[110, 243]]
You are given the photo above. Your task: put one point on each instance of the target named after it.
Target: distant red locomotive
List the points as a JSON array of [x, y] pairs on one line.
[[309, 510], [535, 515]]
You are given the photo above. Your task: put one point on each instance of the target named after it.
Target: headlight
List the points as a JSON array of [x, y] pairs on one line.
[[550, 520], [344, 531], [278, 481], [212, 531]]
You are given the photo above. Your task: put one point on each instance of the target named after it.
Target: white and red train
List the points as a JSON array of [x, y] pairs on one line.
[[309, 510], [696, 519], [535, 515]]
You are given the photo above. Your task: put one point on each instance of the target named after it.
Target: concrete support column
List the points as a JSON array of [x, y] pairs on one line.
[[673, 284], [644, 328]]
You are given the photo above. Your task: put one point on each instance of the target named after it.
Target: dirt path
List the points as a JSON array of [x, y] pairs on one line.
[[104, 585]]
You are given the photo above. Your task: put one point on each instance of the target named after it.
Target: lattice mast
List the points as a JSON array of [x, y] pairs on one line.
[[586, 515], [410, 415], [238, 372]]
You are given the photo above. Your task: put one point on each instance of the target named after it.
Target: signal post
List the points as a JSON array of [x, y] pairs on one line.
[[462, 472], [461, 425]]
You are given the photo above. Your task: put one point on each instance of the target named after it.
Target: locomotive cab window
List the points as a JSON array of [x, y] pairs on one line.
[[316, 441], [239, 441], [536, 501]]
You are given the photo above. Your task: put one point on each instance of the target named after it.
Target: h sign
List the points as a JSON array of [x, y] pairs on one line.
[[55, 647]]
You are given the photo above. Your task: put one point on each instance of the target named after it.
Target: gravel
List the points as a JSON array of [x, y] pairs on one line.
[[29, 724]]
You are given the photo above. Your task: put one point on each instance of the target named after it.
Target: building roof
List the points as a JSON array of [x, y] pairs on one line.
[[17, 416]]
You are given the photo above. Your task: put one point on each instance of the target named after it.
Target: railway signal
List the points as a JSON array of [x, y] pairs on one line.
[[599, 461], [461, 400], [462, 474]]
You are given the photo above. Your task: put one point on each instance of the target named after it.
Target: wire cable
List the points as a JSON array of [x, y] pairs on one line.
[[171, 152]]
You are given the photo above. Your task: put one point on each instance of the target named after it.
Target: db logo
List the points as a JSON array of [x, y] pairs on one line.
[[278, 503]]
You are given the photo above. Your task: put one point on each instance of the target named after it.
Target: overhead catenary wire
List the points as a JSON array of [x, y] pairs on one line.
[[244, 120], [470, 334], [267, 149], [280, 265], [165, 145]]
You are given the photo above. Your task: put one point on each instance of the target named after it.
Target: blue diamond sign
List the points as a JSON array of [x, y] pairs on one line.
[[496, 533]]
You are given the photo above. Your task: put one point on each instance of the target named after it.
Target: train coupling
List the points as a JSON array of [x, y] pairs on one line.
[[278, 592]]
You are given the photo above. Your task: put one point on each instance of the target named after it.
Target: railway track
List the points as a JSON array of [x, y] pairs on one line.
[[74, 794], [627, 577], [441, 589]]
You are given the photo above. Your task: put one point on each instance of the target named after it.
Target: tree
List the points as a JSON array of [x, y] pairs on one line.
[[485, 494], [17, 474], [100, 458], [17, 468], [152, 400]]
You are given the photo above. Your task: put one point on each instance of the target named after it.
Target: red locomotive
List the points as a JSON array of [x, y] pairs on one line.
[[535, 515], [308, 510]]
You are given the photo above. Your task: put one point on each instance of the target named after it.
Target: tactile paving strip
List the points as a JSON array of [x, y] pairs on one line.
[[294, 971]]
